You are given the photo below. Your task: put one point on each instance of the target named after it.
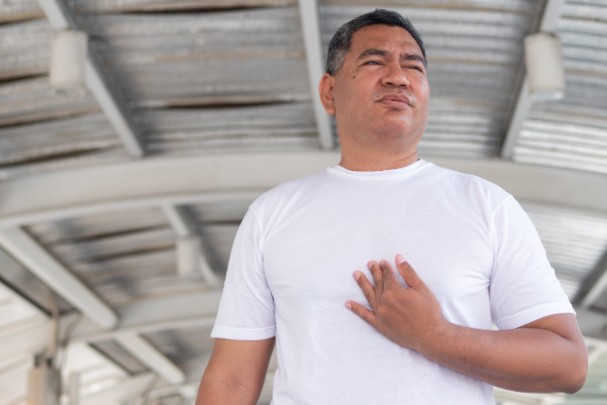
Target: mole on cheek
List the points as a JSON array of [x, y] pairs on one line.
[[353, 77]]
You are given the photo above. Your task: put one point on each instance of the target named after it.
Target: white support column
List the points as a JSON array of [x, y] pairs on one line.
[[150, 356], [60, 18], [308, 11], [36, 259], [550, 17]]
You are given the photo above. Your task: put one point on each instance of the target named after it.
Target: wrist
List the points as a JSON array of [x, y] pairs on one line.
[[437, 340]]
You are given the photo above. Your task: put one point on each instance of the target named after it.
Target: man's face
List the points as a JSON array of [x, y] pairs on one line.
[[382, 86]]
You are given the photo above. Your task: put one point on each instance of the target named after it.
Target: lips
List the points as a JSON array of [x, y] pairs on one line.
[[395, 99]]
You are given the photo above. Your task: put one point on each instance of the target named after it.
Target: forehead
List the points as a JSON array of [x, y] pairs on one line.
[[383, 37]]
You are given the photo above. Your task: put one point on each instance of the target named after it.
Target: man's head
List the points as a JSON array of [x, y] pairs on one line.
[[342, 39], [377, 86]]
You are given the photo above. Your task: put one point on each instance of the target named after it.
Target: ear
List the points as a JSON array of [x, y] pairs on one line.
[[325, 90]]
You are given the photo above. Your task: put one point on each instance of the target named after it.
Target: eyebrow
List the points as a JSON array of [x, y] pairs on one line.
[[381, 53]]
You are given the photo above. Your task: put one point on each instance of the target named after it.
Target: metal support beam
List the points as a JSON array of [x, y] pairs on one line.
[[552, 12], [190, 243], [36, 259], [31, 340], [178, 220], [195, 309], [128, 389], [594, 285], [60, 17], [191, 180], [150, 356], [308, 12]]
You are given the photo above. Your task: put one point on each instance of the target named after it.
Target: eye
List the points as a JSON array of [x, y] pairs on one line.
[[415, 67], [372, 62]]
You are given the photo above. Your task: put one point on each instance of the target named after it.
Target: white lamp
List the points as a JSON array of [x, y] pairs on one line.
[[544, 66], [68, 57]]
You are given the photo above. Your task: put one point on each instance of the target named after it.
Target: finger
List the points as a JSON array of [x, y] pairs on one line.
[[366, 287], [377, 276], [409, 274], [360, 310], [387, 273]]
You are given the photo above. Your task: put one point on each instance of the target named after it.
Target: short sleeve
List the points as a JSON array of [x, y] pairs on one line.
[[524, 286], [246, 309]]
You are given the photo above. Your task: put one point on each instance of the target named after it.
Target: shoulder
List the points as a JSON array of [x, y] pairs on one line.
[[468, 187], [280, 195]]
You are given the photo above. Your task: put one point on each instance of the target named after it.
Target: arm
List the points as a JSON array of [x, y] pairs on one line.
[[236, 372], [547, 355]]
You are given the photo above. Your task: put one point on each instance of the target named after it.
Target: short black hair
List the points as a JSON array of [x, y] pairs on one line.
[[342, 40]]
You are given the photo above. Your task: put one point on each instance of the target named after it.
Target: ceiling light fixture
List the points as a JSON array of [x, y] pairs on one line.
[[544, 66], [68, 58]]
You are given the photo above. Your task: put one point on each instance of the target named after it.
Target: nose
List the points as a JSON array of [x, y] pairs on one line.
[[395, 76]]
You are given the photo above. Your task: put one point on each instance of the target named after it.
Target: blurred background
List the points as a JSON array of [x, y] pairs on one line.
[[135, 133]]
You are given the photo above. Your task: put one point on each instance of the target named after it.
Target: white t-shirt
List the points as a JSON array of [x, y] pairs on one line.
[[290, 274]]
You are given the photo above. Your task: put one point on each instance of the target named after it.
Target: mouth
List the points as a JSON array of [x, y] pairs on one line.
[[397, 100]]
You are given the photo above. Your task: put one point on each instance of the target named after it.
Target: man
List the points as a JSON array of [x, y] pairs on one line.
[[426, 336]]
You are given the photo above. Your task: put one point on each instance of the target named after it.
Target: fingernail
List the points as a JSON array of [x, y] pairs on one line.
[[370, 264], [348, 305], [357, 275], [400, 259]]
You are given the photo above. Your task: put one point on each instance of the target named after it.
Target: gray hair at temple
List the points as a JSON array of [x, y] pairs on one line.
[[342, 40]]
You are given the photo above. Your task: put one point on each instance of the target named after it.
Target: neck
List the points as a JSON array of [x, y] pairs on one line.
[[368, 161]]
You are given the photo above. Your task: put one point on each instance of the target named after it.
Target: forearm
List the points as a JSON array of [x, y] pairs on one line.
[[524, 359], [217, 391], [235, 373]]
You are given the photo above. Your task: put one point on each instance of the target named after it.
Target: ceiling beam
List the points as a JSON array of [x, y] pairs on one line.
[[61, 17], [31, 340], [131, 388], [308, 12], [190, 243], [36, 259], [550, 16], [187, 180], [194, 309], [594, 285], [150, 356], [178, 219]]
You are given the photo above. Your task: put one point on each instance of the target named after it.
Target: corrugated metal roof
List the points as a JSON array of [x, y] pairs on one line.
[[19, 10], [25, 49], [255, 127], [165, 60]]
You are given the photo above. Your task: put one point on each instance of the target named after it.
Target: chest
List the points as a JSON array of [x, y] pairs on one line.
[[310, 254]]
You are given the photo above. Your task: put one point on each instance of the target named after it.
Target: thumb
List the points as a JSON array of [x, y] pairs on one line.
[[409, 274]]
